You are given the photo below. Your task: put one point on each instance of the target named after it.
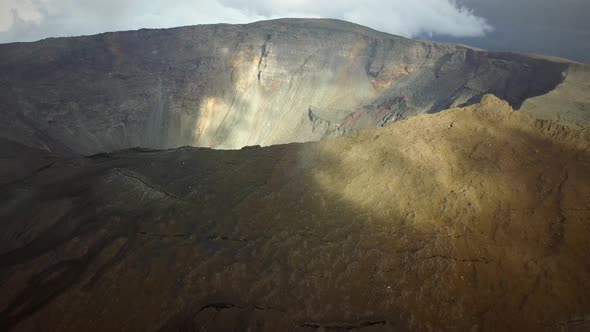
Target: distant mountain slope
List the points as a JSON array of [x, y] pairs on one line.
[[470, 219], [228, 86], [569, 103]]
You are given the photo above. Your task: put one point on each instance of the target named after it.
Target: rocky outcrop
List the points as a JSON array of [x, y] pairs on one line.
[[228, 86], [470, 219]]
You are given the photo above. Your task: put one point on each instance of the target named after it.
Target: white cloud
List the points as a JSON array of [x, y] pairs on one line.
[[23, 20], [25, 10], [403, 17]]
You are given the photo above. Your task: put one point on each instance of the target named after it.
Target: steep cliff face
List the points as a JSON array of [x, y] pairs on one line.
[[227, 86], [470, 219]]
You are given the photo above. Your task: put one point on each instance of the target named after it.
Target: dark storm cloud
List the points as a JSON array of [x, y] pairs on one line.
[[553, 27]]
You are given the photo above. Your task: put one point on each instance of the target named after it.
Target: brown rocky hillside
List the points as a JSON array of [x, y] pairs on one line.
[[474, 218]]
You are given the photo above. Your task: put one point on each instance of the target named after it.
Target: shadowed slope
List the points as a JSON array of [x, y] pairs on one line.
[[474, 218]]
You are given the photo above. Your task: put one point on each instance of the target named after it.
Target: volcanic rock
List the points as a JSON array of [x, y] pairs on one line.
[[229, 86], [474, 218]]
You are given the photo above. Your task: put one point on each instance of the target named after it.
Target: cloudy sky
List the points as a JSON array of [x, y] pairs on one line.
[[554, 27], [557, 27]]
